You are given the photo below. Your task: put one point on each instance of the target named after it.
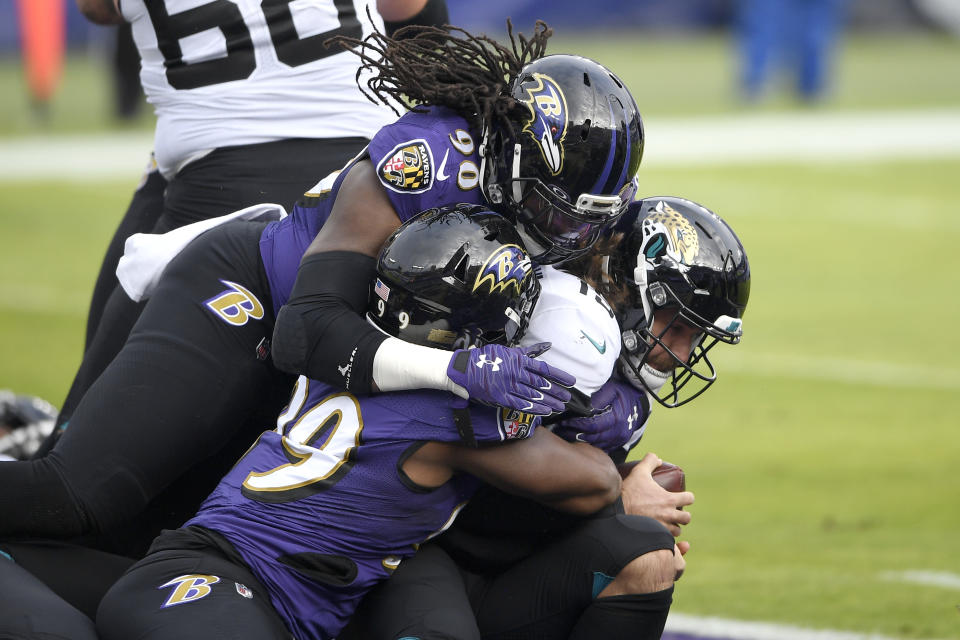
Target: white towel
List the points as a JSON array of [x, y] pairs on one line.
[[146, 255]]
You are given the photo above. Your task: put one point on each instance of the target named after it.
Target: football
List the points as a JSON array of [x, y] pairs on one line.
[[670, 477]]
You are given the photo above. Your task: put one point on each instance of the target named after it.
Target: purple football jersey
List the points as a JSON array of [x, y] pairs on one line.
[[423, 160], [320, 508]]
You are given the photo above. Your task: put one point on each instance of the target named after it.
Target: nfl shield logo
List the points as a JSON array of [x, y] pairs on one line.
[[243, 590]]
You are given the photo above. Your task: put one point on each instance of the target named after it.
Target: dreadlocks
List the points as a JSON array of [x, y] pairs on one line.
[[593, 268], [447, 66]]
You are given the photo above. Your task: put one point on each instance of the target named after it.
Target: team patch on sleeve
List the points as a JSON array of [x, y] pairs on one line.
[[515, 425], [408, 168]]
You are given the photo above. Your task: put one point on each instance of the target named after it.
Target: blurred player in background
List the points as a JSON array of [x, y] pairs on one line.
[[508, 568], [798, 37], [376, 474]]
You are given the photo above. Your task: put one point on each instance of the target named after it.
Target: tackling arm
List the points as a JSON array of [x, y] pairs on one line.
[[574, 477], [321, 331]]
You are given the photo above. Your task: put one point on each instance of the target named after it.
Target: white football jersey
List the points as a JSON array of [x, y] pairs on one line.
[[236, 72], [579, 324]]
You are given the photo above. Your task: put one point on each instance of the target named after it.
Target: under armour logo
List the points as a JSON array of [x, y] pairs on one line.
[[633, 417], [495, 363]]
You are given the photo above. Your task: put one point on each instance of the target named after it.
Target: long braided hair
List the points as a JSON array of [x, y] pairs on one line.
[[450, 67]]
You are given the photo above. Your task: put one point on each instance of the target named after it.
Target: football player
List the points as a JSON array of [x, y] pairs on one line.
[[195, 380], [679, 280], [251, 107], [346, 487]]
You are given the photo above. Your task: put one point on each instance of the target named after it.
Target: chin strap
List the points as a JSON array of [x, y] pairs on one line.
[[491, 190]]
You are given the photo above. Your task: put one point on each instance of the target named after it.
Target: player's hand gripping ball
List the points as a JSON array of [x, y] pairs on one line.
[[670, 477]]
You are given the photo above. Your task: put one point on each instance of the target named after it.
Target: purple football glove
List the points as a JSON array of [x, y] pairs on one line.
[[618, 423], [510, 377]]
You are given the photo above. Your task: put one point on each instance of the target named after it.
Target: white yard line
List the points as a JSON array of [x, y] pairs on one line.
[[924, 577], [76, 157], [828, 137], [809, 137], [721, 628], [846, 370]]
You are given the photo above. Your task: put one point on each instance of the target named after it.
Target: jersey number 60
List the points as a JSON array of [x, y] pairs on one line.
[[240, 60]]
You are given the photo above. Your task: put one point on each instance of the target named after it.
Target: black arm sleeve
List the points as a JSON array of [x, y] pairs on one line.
[[433, 14], [321, 331]]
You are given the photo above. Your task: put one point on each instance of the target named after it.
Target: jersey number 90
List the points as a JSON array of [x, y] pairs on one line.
[[240, 60]]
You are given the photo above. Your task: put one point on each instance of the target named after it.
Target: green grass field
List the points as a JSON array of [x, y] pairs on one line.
[[823, 458]]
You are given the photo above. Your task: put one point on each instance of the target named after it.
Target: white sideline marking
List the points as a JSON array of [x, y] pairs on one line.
[[924, 577], [845, 370], [708, 627], [818, 137], [810, 137], [76, 157]]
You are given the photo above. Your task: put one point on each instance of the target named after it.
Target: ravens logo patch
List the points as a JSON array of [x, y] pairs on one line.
[[408, 168], [516, 425]]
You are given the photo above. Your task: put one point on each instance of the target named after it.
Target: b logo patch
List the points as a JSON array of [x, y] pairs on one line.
[[188, 589], [236, 305], [408, 168]]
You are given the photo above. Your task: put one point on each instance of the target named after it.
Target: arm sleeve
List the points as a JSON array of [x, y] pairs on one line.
[[321, 331]]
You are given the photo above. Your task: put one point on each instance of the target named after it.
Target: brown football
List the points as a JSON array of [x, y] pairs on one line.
[[670, 477]]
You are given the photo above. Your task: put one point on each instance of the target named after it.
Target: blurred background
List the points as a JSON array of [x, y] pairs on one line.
[[826, 132]]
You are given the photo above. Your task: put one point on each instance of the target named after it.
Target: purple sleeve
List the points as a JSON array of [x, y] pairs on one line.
[[425, 160]]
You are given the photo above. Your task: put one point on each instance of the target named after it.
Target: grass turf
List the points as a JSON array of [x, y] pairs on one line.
[[821, 459]]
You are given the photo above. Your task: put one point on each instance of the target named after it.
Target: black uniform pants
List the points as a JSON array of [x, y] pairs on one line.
[[539, 597], [225, 180], [188, 393]]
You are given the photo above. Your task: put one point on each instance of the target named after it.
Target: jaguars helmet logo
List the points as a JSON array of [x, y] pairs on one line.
[[408, 167], [548, 119], [506, 267], [667, 233]]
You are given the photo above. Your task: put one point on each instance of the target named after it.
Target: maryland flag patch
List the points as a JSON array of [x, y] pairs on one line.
[[408, 168], [515, 425]]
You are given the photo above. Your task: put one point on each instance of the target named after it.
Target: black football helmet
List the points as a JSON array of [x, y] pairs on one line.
[[567, 170], [454, 277], [679, 257]]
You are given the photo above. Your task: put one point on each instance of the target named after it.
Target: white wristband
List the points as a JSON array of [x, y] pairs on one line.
[[401, 366]]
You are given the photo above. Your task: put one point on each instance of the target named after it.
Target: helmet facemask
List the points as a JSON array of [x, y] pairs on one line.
[[683, 379], [685, 270], [553, 228], [563, 166]]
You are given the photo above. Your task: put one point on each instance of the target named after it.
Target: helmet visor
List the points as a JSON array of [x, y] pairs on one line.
[[556, 229]]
